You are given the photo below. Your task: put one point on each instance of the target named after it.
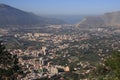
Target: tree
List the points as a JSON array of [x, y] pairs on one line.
[[110, 70], [113, 64], [9, 65]]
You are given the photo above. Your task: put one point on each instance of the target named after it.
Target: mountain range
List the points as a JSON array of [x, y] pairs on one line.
[[106, 20], [12, 16]]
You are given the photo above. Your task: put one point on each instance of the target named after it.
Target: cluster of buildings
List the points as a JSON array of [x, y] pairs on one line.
[[43, 37], [36, 64]]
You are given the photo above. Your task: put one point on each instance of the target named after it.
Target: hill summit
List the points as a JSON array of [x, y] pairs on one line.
[[105, 20], [12, 16]]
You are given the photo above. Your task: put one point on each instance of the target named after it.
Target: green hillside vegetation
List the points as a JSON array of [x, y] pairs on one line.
[[109, 70], [9, 65]]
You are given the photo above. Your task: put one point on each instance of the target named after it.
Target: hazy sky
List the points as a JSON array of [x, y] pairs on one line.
[[68, 7]]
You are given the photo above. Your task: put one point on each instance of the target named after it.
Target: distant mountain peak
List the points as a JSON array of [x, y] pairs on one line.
[[108, 19], [13, 16], [113, 12], [4, 6]]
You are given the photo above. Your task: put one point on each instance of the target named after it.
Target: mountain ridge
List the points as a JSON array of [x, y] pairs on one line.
[[13, 16], [105, 20]]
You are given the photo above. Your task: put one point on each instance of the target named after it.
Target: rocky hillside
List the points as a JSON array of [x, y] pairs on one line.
[[108, 19], [112, 19]]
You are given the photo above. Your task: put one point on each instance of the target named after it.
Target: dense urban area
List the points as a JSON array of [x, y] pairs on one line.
[[65, 50]]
